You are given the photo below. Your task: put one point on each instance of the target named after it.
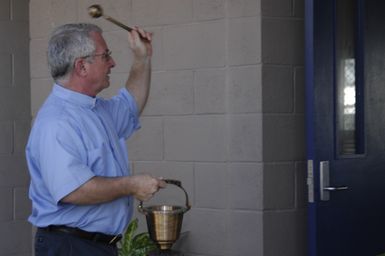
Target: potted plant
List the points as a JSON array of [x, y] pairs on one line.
[[135, 244]]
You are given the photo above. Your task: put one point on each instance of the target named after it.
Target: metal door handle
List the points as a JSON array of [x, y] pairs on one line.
[[335, 188], [325, 187]]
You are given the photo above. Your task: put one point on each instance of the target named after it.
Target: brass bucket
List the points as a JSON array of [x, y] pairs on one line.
[[164, 222]]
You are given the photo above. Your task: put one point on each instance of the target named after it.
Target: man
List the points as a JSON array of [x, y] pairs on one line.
[[81, 188]]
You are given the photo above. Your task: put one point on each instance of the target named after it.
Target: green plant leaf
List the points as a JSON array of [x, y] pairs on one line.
[[142, 240], [135, 245], [126, 243]]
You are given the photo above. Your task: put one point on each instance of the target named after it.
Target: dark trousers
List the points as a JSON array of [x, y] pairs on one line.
[[62, 244]]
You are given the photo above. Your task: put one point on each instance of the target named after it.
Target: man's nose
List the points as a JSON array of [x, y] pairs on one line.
[[112, 62]]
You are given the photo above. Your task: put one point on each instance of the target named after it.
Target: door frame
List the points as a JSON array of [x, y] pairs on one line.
[[311, 155], [309, 94]]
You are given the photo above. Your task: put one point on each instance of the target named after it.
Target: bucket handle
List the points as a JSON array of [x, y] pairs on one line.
[[173, 182]]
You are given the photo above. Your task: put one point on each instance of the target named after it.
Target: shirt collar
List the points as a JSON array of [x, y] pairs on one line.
[[74, 97]]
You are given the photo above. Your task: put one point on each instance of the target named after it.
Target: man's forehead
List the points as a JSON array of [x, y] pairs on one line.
[[100, 43]]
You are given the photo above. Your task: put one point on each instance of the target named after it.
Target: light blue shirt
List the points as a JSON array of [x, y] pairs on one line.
[[74, 138]]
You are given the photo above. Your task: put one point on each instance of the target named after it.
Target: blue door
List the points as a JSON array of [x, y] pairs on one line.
[[345, 111]]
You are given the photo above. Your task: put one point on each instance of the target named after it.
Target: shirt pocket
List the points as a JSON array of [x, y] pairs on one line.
[[101, 161]]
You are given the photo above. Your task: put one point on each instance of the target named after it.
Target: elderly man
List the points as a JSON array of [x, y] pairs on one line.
[[81, 187]]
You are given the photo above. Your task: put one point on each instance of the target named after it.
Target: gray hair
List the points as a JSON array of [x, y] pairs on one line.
[[67, 43]]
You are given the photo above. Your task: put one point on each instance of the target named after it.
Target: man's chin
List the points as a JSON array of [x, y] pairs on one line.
[[105, 86]]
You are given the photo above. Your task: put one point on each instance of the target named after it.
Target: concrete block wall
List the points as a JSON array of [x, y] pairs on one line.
[[225, 114], [283, 127], [15, 117]]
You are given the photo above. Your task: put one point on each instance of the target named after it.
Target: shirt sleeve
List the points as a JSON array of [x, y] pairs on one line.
[[62, 161], [124, 112]]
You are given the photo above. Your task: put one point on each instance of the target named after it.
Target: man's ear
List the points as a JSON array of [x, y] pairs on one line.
[[80, 67]]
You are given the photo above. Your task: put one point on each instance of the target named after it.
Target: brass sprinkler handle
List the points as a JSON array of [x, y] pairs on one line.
[[179, 184], [173, 182], [96, 11]]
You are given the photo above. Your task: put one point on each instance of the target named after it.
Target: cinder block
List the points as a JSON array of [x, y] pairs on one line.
[[246, 233], [301, 191], [117, 81], [284, 137], [211, 185], [43, 20], [278, 89], [157, 48], [243, 8], [40, 22], [117, 42], [205, 232], [285, 233], [244, 41], [6, 204], [245, 137], [196, 138], [21, 133], [171, 93], [17, 38], [22, 254], [299, 86], [210, 91], [278, 186], [245, 89], [38, 59], [6, 66], [171, 195], [21, 76], [14, 102], [245, 179], [6, 137], [5, 10], [20, 9], [208, 10], [299, 8], [155, 12], [22, 204], [63, 12], [147, 143], [14, 171], [277, 8], [40, 89], [15, 237], [200, 45], [274, 32]]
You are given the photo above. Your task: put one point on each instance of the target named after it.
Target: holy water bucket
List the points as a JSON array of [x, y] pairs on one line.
[[164, 222]]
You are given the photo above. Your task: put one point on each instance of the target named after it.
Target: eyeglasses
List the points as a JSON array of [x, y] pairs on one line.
[[105, 56]]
